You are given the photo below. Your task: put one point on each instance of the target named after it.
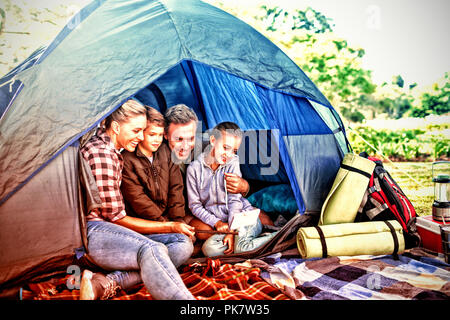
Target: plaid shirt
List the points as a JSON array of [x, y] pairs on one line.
[[106, 164]]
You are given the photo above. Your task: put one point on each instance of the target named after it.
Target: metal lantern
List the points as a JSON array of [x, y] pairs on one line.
[[441, 179]]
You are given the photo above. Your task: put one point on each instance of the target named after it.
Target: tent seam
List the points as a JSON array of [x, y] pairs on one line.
[[175, 27]]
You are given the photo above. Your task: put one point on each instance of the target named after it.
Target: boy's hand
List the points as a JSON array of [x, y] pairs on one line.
[[229, 241], [236, 184], [221, 226]]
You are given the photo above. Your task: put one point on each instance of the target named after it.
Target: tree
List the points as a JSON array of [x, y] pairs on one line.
[[329, 61], [309, 19], [436, 101], [335, 66]]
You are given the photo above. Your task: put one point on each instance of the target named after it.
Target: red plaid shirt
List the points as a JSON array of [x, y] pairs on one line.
[[106, 164]]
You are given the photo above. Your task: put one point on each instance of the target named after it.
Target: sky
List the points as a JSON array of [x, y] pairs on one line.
[[400, 37]]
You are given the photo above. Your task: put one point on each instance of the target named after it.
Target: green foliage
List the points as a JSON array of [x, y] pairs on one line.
[[441, 146], [308, 19], [2, 20], [437, 103], [338, 73], [404, 144], [352, 115], [398, 80]]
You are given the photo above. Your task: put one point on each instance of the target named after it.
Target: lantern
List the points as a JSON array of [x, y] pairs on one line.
[[441, 180]]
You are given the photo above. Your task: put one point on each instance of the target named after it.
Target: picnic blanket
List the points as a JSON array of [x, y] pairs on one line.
[[212, 280], [416, 275]]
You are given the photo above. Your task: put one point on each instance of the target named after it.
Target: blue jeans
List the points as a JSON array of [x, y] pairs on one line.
[[151, 259]]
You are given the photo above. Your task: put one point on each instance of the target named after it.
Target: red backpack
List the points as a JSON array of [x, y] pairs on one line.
[[385, 200]]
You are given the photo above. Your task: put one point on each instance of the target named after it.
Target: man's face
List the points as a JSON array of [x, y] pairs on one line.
[[181, 139]]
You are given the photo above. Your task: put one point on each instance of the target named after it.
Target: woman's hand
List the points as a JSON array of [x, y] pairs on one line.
[[181, 227], [221, 226], [229, 241]]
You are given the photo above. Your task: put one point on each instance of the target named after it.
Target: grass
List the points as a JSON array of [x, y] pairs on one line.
[[421, 191]]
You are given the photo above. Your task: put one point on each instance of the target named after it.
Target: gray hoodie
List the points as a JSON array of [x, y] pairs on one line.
[[208, 199]]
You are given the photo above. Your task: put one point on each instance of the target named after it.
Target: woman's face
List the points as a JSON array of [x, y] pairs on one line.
[[153, 137], [130, 133]]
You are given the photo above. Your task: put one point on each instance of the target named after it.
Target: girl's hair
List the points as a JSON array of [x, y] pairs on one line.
[[128, 110], [155, 117], [228, 127]]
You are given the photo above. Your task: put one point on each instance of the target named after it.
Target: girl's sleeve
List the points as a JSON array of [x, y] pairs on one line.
[[193, 192], [235, 204]]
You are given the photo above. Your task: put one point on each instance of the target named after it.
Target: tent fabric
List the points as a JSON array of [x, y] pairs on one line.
[[232, 99], [314, 169], [29, 234], [118, 49], [9, 87], [160, 52]]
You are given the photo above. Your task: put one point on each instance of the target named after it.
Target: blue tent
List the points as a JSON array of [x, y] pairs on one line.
[[160, 53]]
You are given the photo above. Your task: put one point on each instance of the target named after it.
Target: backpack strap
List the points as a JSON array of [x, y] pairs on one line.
[[379, 207], [394, 236], [322, 241], [377, 186], [363, 201], [346, 167]]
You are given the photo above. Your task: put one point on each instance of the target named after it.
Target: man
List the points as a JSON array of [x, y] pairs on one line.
[[180, 134]]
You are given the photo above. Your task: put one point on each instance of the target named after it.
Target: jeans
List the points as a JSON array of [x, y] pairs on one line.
[[248, 239], [151, 259]]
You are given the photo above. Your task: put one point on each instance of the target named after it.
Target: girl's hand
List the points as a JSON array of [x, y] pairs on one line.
[[229, 241], [221, 226]]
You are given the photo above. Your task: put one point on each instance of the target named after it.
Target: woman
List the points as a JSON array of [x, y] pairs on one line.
[[117, 241]]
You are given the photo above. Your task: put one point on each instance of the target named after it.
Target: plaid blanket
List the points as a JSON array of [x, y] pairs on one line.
[[413, 276], [207, 281]]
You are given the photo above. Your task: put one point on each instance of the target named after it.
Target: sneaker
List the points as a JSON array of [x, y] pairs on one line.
[[97, 286]]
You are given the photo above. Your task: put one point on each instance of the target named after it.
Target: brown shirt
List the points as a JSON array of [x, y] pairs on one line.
[[153, 190]]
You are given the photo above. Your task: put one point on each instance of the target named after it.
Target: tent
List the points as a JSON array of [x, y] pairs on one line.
[[161, 53]]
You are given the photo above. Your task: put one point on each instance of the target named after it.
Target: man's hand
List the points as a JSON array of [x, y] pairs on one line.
[[229, 241], [236, 184], [221, 226], [181, 227]]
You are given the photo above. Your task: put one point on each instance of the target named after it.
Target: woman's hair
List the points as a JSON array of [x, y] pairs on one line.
[[155, 117], [128, 110], [228, 127]]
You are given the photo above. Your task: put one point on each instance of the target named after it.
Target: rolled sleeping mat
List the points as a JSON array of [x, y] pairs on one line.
[[347, 191], [351, 239]]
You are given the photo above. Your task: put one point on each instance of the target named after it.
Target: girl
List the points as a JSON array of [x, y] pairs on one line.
[[209, 200]]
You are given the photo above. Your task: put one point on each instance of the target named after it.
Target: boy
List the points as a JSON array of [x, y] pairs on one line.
[[152, 185], [208, 198]]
